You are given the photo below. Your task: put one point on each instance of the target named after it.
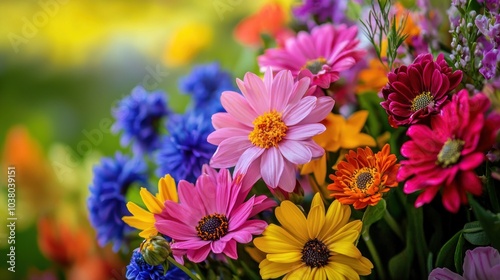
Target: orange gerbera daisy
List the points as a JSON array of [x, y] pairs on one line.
[[363, 177]]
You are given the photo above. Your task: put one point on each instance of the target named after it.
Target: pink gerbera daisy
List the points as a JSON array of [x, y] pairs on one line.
[[211, 216], [416, 92], [444, 155], [320, 55], [268, 131]]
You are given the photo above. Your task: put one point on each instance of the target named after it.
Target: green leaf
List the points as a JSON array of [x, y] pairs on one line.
[[475, 235], [400, 265], [377, 117], [373, 214], [353, 10], [489, 221], [459, 254], [447, 253]]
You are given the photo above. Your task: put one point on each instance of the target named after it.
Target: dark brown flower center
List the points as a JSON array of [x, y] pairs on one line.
[[363, 179], [315, 253], [421, 101], [315, 65], [212, 227], [450, 152]]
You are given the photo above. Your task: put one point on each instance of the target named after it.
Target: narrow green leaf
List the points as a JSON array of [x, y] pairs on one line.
[[447, 253], [475, 235], [459, 254], [489, 221]]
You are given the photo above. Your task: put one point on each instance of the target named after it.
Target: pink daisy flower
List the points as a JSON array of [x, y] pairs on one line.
[[444, 155], [268, 130], [211, 216], [416, 92], [319, 55]]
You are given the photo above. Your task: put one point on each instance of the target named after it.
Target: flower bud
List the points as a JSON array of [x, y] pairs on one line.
[[155, 250]]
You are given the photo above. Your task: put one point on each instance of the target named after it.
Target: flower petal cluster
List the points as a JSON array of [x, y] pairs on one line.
[[320, 246], [106, 203], [416, 92], [268, 130], [444, 156], [211, 216]]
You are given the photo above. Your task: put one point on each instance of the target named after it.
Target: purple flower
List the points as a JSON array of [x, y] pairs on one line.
[[482, 263], [322, 11], [489, 64]]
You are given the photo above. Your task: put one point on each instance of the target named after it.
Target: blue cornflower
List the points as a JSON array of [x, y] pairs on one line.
[[185, 150], [140, 270], [205, 84], [138, 116], [106, 203]]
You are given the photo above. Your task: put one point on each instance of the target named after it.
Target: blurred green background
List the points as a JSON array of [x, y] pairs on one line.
[[63, 66]]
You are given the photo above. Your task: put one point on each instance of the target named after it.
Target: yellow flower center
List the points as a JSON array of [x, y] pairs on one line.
[[268, 130], [315, 253], [421, 101], [450, 152], [212, 227], [363, 178], [315, 65]]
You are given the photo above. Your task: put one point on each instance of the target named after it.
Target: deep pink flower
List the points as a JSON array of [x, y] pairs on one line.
[[482, 263], [444, 155], [268, 130], [319, 55], [419, 90], [211, 216]]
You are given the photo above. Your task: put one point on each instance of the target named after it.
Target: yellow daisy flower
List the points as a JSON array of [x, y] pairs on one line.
[[145, 219], [319, 247]]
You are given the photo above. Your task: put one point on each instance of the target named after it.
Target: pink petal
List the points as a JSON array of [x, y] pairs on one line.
[[271, 166], [236, 105], [230, 250], [304, 132], [222, 134], [268, 79], [444, 274], [295, 151], [299, 90], [281, 90], [316, 150], [294, 113], [324, 106], [255, 92], [218, 246], [175, 230], [229, 152], [426, 196], [451, 198], [471, 161], [262, 203], [250, 155], [221, 120], [199, 255], [288, 179], [251, 176]]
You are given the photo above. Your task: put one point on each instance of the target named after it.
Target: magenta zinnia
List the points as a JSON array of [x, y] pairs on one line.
[[419, 90], [444, 155], [268, 130], [320, 55], [211, 216]]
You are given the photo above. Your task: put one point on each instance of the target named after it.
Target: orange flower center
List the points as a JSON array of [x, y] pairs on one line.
[[363, 178], [315, 65], [421, 101], [268, 130], [450, 152], [212, 227]]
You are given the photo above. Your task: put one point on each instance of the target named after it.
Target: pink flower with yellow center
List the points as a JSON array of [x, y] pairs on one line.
[[320, 55], [268, 130]]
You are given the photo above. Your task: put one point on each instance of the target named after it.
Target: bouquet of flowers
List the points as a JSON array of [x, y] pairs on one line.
[[367, 145]]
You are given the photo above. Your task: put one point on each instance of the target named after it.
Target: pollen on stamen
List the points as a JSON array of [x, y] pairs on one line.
[[269, 129]]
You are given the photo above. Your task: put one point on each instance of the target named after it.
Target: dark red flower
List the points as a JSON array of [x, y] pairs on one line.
[[419, 90]]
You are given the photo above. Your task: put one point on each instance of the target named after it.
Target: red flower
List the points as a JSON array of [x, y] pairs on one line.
[[444, 155], [419, 90]]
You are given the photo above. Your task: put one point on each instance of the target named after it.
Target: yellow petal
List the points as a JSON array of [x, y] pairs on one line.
[[277, 240], [287, 257], [316, 217], [167, 189], [346, 248], [357, 120], [140, 213], [320, 170], [293, 220], [147, 233], [274, 270], [298, 273], [332, 274], [152, 203], [336, 217], [362, 265]]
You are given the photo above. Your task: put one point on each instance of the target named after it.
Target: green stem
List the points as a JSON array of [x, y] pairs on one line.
[[492, 192], [373, 251], [183, 268], [393, 225]]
